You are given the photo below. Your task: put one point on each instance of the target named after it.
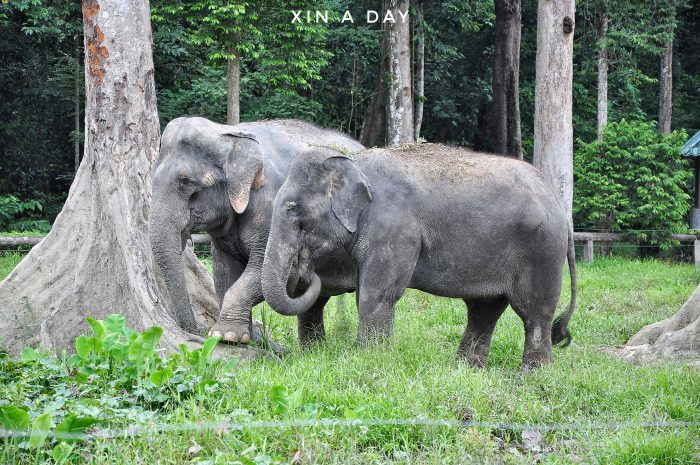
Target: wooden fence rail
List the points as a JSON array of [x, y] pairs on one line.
[[588, 239]]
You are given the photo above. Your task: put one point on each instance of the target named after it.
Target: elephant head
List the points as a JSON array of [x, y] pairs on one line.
[[316, 210], [202, 178]]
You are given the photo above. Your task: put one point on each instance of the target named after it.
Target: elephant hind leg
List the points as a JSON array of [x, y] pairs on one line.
[[482, 316], [537, 318]]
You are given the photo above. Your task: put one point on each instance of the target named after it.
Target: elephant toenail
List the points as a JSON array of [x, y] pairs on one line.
[[245, 338], [215, 333], [230, 336]]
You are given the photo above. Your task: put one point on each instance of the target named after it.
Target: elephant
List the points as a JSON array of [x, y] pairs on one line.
[[222, 180], [447, 221]]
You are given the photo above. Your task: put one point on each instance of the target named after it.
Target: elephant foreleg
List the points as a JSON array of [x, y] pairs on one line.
[[235, 320], [310, 324], [482, 317]]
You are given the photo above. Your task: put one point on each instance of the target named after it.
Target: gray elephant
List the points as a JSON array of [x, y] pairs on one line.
[[223, 180], [447, 221]]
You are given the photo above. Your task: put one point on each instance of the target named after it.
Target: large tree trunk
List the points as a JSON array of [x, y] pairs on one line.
[[419, 71], [233, 100], [76, 108], [677, 337], [602, 76], [505, 113], [399, 109], [97, 258], [666, 89], [373, 120], [554, 143]]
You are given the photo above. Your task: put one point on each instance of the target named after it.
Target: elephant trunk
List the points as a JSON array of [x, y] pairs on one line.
[[276, 274], [167, 242]]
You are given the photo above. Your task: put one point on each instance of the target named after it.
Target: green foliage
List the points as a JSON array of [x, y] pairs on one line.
[[18, 215], [634, 179], [115, 375]]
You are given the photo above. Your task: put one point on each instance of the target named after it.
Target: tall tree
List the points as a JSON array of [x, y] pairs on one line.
[[399, 108], [505, 111], [374, 118], [97, 258], [419, 67], [602, 74], [666, 88], [554, 142]]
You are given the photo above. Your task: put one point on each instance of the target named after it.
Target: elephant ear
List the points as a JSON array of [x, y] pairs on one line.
[[243, 168], [350, 191]]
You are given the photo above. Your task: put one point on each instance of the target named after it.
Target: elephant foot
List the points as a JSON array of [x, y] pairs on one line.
[[231, 332]]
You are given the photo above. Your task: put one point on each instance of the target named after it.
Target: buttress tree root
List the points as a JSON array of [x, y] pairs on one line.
[[677, 337], [97, 258]]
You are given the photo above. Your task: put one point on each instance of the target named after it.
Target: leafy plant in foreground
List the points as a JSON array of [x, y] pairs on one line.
[[115, 373]]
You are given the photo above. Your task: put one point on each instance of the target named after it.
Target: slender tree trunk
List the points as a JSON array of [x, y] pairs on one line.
[[233, 103], [373, 120], [76, 109], [602, 77], [97, 258], [554, 143], [505, 113], [666, 89], [419, 72], [399, 110]]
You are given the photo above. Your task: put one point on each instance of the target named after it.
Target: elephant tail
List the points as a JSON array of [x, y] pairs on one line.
[[560, 331]]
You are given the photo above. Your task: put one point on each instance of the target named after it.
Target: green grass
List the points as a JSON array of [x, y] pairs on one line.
[[415, 375]]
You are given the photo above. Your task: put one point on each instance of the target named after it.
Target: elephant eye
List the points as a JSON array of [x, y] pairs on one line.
[[290, 206]]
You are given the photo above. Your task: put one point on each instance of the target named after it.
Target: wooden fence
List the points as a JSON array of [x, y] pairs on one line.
[[588, 239]]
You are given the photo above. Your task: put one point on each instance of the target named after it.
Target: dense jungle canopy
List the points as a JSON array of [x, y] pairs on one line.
[[327, 73]]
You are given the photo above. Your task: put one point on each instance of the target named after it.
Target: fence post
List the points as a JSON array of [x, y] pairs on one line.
[[588, 251], [696, 252]]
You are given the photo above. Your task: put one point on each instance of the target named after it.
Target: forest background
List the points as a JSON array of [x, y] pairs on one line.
[[246, 60]]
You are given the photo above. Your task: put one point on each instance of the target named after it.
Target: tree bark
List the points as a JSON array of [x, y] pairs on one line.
[[602, 77], [373, 120], [505, 113], [399, 111], [554, 144], [76, 109], [666, 89], [233, 101], [419, 72], [677, 337], [97, 258]]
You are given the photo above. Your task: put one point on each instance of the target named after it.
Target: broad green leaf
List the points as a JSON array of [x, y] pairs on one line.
[[73, 425], [161, 377], [83, 374], [98, 328], [61, 453], [145, 344], [14, 418], [278, 399], [29, 355], [207, 351], [40, 430], [85, 345], [119, 352], [110, 340], [115, 323]]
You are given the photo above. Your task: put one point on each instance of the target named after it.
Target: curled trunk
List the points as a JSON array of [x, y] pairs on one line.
[[277, 269]]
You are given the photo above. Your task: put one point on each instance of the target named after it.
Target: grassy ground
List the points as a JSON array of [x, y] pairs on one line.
[[415, 375]]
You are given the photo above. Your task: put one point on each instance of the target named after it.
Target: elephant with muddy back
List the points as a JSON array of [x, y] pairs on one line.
[[450, 222], [223, 180]]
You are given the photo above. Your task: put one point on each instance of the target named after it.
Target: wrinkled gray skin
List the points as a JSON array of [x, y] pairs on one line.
[[482, 228], [222, 180]]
